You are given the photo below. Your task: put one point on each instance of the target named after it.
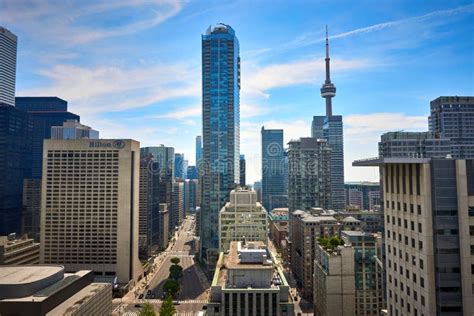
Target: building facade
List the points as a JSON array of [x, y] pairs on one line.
[[198, 151], [177, 204], [278, 227], [18, 251], [309, 181], [72, 129], [246, 282], [243, 218], [221, 131], [8, 49], [31, 207], [97, 227], [242, 171], [273, 168], [365, 195]]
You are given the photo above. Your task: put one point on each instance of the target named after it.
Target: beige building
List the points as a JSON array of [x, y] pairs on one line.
[[19, 251], [48, 290], [246, 282], [89, 207], [305, 228], [242, 218], [429, 234]]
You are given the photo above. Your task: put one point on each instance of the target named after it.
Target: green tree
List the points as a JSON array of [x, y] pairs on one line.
[[175, 260], [176, 271], [167, 308], [148, 310], [171, 287]]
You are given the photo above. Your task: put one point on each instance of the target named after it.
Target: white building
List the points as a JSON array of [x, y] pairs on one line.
[[242, 218], [89, 206], [8, 45], [246, 282]]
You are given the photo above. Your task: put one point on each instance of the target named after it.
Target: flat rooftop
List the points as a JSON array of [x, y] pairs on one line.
[[232, 260], [377, 161], [27, 274]]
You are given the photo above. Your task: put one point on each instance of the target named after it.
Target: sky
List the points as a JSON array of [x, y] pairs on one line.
[[132, 68]]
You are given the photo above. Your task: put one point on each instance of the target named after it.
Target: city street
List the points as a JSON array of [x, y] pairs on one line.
[[194, 285]]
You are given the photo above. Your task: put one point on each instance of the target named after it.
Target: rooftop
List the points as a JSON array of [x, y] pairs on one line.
[[378, 161], [27, 274]]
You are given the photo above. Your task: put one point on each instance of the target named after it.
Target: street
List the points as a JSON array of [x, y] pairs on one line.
[[193, 294]]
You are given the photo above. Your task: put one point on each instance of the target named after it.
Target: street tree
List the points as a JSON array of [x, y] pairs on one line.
[[167, 308], [171, 287], [176, 271], [175, 260], [147, 310]]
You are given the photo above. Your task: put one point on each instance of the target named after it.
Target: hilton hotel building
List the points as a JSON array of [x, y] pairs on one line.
[[89, 206]]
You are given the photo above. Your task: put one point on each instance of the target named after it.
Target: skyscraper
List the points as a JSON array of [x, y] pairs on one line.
[[242, 170], [273, 168], [95, 184], [330, 127], [72, 129], [8, 45], [179, 166], [198, 150], [221, 130]]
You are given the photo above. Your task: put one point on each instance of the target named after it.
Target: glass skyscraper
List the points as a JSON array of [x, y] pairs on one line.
[[273, 169], [198, 150], [8, 47], [221, 130]]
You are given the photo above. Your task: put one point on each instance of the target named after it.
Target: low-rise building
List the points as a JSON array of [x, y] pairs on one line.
[[20, 251], [48, 290], [246, 282], [278, 227]]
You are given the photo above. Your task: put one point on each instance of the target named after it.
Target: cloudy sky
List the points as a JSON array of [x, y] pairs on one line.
[[131, 68]]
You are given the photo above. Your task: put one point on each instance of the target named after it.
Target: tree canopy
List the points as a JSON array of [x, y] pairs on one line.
[[330, 242], [176, 272], [167, 308], [175, 260], [171, 287], [148, 310]]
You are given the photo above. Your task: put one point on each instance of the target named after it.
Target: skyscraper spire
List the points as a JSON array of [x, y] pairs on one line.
[[328, 90]]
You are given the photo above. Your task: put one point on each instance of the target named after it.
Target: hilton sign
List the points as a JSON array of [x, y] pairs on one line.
[[117, 144]]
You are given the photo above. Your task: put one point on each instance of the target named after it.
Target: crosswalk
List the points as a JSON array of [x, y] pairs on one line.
[[158, 301], [189, 314]]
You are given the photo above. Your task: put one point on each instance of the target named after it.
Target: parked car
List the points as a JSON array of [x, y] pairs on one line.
[[140, 296]]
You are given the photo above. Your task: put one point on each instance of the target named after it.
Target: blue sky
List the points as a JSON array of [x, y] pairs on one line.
[[131, 68]]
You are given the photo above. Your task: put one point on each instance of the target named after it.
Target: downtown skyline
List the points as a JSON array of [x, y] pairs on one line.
[[117, 78]]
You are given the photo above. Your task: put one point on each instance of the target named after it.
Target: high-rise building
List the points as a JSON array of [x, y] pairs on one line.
[[248, 282], [95, 184], [16, 132], [177, 203], [45, 112], [243, 218], [179, 166], [257, 186], [72, 129], [18, 251], [8, 46], [273, 168], [221, 131], [149, 208], [242, 171], [192, 173], [309, 182], [330, 127], [354, 198], [198, 150], [191, 195], [164, 230], [31, 207], [368, 192], [305, 228]]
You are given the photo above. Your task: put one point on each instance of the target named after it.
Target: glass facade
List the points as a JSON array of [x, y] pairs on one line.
[[274, 194], [221, 130]]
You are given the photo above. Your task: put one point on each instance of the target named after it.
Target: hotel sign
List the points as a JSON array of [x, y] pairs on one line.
[[117, 144]]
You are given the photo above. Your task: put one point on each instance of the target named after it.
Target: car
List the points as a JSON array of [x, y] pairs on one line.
[[204, 307], [175, 302], [149, 292], [140, 296], [147, 287], [138, 305]]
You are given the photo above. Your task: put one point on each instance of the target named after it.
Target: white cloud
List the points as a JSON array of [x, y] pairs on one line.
[[60, 21]]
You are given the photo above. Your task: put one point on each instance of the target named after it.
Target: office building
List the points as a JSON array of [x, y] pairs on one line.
[[8, 49], [278, 227], [429, 224], [309, 181], [149, 208], [452, 117], [191, 196], [243, 218], [47, 290], [371, 221], [366, 199], [31, 206], [374, 200], [192, 173], [257, 186], [414, 144], [177, 204], [221, 131], [179, 166], [164, 230], [95, 184], [242, 171], [246, 282], [198, 151], [330, 127], [354, 198], [305, 228], [72, 129], [273, 168], [16, 131], [18, 251], [45, 112]]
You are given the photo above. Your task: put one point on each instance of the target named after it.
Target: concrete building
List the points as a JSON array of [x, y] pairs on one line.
[[8, 49], [18, 251], [334, 281], [309, 181], [371, 221], [246, 282], [48, 290], [164, 230], [365, 195], [243, 218], [177, 204], [305, 228], [354, 198], [274, 194], [95, 184], [221, 131], [72, 129], [30, 214], [278, 227]]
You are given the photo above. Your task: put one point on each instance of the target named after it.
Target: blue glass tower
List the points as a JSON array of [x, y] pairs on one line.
[[221, 130], [330, 127], [273, 169], [198, 150]]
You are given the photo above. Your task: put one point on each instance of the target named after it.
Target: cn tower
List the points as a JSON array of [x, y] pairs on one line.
[[328, 90]]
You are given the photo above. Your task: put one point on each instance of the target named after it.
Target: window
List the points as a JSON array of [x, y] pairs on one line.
[[420, 228], [418, 209], [471, 230], [422, 282], [471, 210], [421, 263]]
